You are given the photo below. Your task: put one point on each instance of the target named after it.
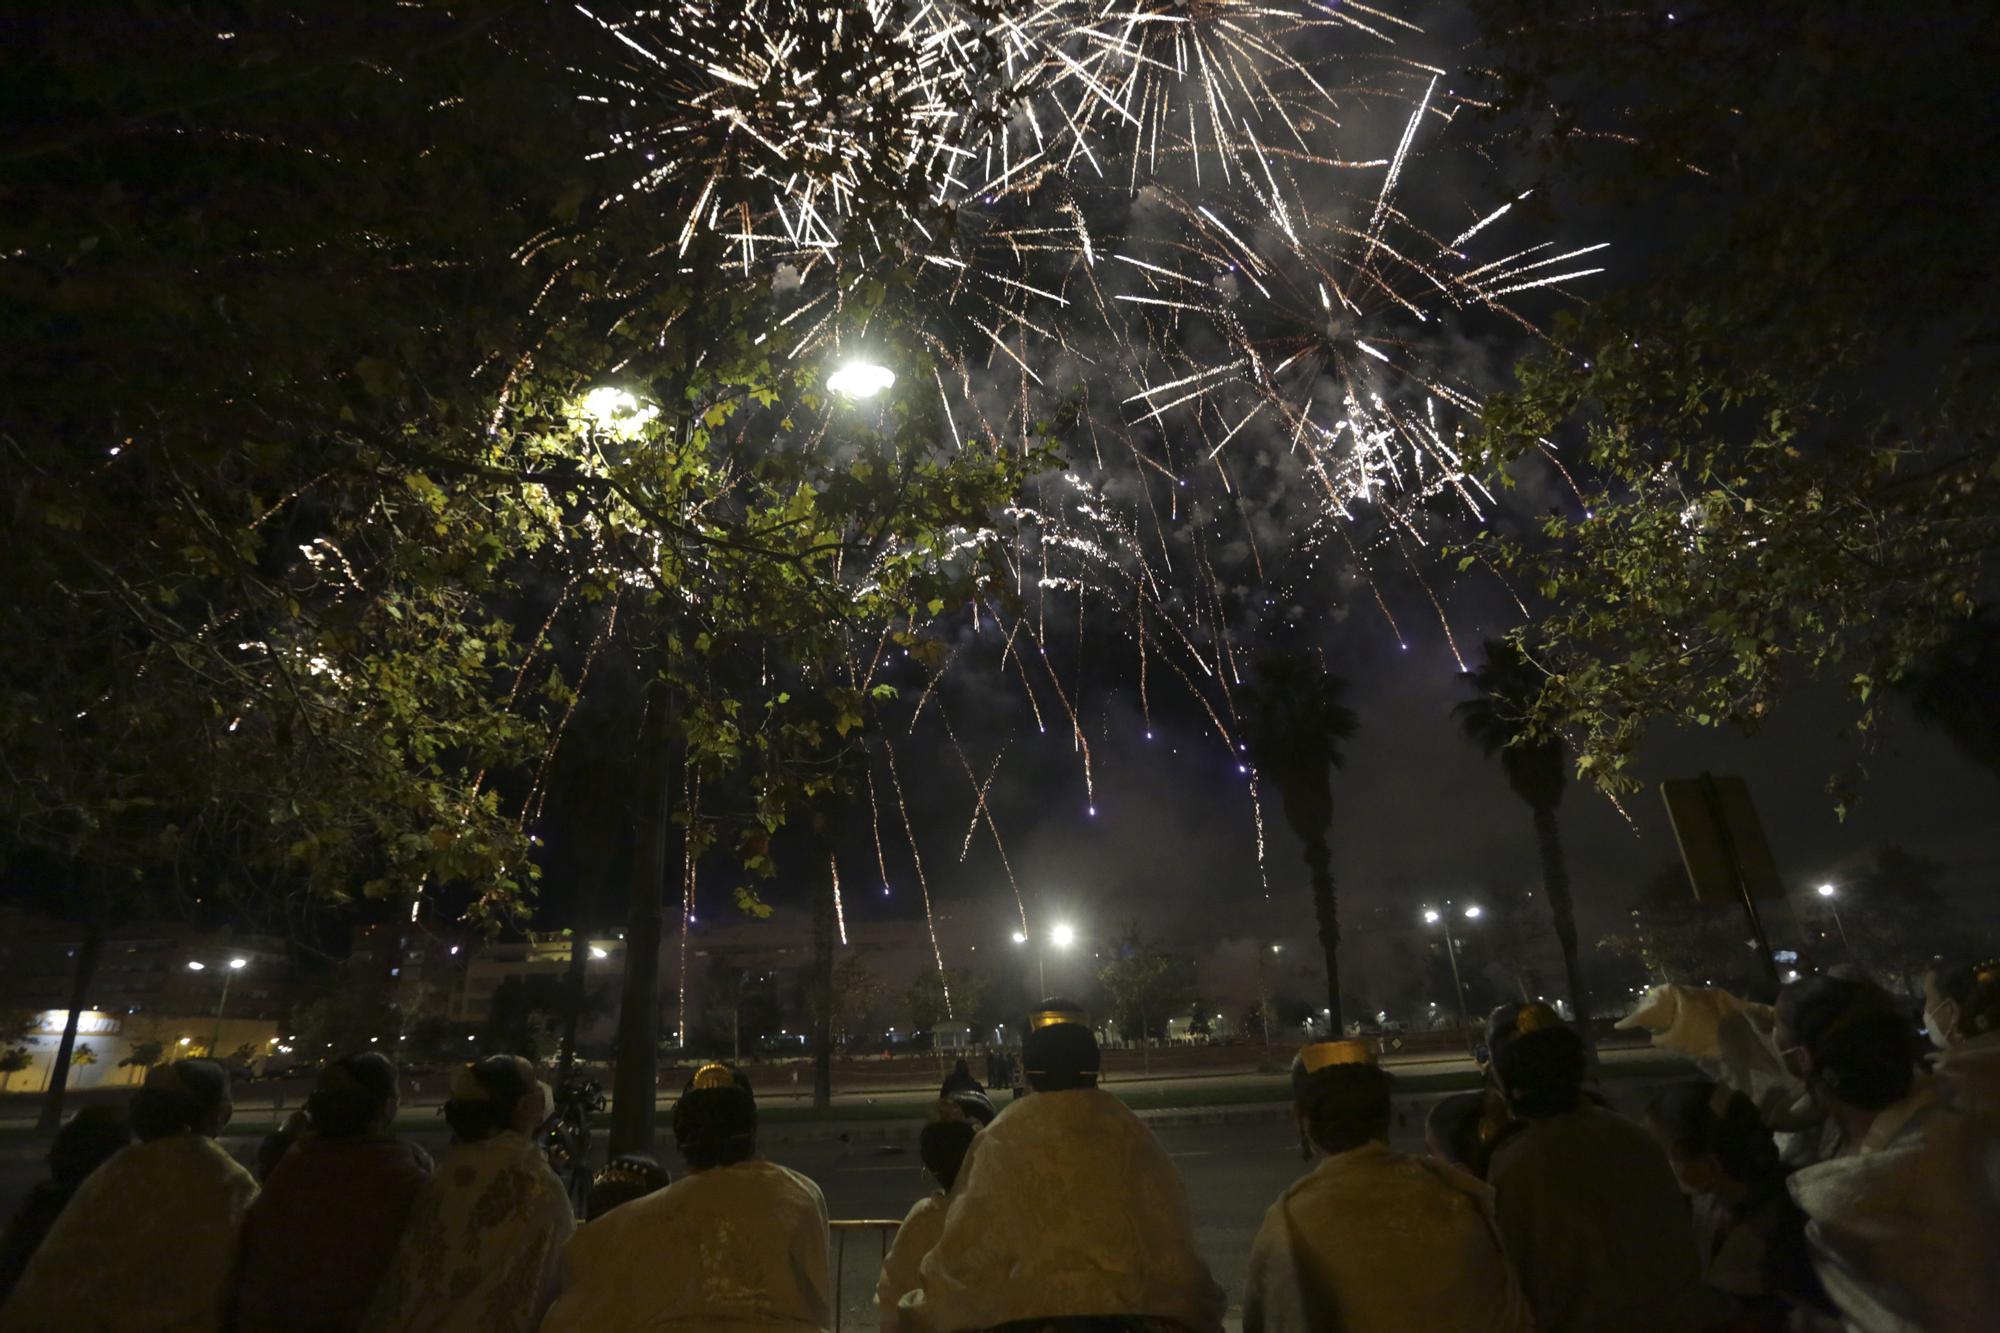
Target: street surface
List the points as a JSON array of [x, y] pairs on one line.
[[1234, 1170]]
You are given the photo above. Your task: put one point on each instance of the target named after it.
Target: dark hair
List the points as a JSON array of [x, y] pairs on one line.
[[1863, 1047], [1699, 1118], [942, 1146], [1345, 1106], [1542, 1072], [352, 1094], [716, 1125], [500, 1085], [1975, 987], [626, 1177], [85, 1140], [177, 1098], [1454, 1123], [970, 1104], [1061, 1057]]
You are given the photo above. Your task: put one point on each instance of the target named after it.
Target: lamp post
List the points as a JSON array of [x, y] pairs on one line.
[[235, 965], [1062, 935], [1433, 917], [1826, 891]]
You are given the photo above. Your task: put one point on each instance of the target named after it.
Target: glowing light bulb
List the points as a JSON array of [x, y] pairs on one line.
[[860, 379]]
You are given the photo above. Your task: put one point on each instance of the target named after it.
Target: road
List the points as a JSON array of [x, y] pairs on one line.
[[1233, 1170]]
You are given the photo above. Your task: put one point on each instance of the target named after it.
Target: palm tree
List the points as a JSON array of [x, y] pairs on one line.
[[1295, 724], [1536, 769]]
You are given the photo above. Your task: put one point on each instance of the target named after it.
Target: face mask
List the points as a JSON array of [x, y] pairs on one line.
[[1940, 1021]]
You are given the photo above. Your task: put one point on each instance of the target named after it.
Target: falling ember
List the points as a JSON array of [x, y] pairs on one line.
[[839, 909]]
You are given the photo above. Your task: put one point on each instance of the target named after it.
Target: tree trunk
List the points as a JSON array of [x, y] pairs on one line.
[[1555, 886], [79, 987], [636, 1078], [1319, 860], [822, 982]]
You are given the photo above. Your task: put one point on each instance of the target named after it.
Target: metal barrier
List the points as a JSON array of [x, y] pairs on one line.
[[841, 1228]]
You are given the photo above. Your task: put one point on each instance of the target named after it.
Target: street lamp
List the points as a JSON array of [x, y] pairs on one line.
[[1826, 891], [1434, 917], [235, 965], [860, 379]]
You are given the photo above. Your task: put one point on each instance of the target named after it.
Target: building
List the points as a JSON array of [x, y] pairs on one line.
[[154, 983], [537, 959]]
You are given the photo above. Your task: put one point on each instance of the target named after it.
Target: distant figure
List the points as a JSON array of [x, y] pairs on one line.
[[148, 1241], [1962, 1016], [481, 1249], [1066, 1206], [737, 1243], [324, 1231], [628, 1176], [1373, 1240], [942, 1146], [80, 1147], [1588, 1207], [1904, 1225], [1751, 1234], [960, 1079]]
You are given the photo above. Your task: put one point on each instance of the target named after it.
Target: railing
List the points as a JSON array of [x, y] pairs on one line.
[[842, 1229]]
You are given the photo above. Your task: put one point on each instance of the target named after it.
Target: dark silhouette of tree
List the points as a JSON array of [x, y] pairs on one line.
[[1957, 690], [1494, 719], [1295, 723]]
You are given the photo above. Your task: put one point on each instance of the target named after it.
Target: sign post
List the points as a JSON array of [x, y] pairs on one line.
[[1722, 844]]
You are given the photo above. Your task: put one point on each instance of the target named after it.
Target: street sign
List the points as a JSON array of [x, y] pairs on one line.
[[1720, 836], [1723, 847]]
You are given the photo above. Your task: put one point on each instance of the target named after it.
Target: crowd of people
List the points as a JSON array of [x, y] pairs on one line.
[[1823, 1177]]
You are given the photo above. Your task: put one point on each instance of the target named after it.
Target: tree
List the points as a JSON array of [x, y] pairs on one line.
[[935, 997], [525, 1018], [12, 1061], [1147, 986], [1296, 724], [144, 1055], [1496, 719], [1957, 690], [1897, 920], [1677, 939], [83, 1056], [1782, 419]]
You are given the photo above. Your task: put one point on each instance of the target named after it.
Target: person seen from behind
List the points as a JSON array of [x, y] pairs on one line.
[[325, 1227], [480, 1251], [1066, 1208], [628, 1176], [1962, 1017], [1904, 1227], [82, 1145], [942, 1146], [737, 1244], [1587, 1205], [148, 1241], [1750, 1233], [1374, 1240]]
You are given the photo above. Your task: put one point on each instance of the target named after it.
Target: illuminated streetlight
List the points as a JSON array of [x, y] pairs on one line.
[[596, 952], [615, 412], [1020, 937], [860, 379], [232, 967], [1063, 935], [1434, 917]]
